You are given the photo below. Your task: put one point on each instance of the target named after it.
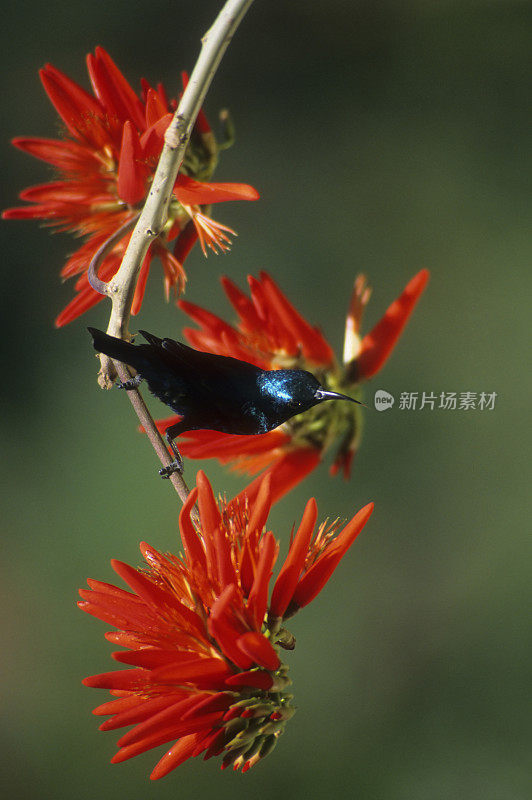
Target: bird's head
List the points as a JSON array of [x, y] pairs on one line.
[[297, 390]]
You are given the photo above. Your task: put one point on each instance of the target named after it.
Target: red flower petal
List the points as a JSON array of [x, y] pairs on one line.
[[141, 283], [64, 155], [59, 192], [206, 319], [212, 702], [225, 573], [154, 596], [289, 575], [201, 672], [81, 113], [139, 710], [151, 657], [132, 750], [313, 344], [155, 108], [209, 511], [259, 649], [113, 90], [164, 735], [227, 447], [195, 193], [132, 171], [192, 543], [317, 576], [213, 744], [128, 679], [119, 610], [179, 753], [257, 678], [377, 345], [250, 321], [210, 518], [174, 274], [185, 242], [119, 706], [31, 212], [165, 718], [152, 140], [258, 596], [261, 507], [225, 629]]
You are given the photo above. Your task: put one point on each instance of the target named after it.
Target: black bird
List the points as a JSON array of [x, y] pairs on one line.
[[213, 392]]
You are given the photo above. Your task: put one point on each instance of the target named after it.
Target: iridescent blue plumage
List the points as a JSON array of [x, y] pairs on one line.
[[214, 392]]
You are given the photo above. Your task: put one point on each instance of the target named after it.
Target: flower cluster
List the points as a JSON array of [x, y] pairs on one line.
[[271, 334], [105, 164], [201, 633], [201, 639]]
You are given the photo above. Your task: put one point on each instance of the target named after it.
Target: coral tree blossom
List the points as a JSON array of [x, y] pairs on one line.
[[105, 164], [201, 639], [271, 334]]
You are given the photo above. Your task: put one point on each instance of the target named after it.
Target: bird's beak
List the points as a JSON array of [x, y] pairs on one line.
[[325, 394]]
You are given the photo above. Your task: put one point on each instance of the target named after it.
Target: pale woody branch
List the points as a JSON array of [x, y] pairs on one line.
[[121, 287], [152, 433], [152, 218]]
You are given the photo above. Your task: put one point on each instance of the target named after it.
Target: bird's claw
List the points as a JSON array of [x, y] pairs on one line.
[[175, 466], [132, 383]]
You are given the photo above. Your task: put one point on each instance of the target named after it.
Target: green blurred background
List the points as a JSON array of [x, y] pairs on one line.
[[383, 137]]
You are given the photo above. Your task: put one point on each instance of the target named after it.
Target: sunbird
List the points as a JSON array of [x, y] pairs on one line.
[[212, 392]]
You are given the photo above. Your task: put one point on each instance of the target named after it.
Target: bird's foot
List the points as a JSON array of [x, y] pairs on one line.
[[132, 383], [175, 466]]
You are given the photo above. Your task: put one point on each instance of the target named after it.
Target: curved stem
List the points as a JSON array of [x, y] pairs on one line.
[[92, 273]]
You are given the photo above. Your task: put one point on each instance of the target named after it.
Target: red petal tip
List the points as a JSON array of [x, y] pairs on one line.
[[377, 345]]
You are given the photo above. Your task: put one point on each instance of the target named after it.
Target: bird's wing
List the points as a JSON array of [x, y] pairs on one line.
[[207, 372], [181, 351], [154, 340], [175, 355], [206, 363]]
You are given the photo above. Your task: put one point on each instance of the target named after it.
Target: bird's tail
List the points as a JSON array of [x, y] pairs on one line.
[[122, 351]]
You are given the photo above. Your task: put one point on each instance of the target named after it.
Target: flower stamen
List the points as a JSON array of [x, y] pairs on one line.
[[212, 234]]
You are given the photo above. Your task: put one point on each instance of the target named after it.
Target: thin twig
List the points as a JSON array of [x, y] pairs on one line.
[[146, 420]]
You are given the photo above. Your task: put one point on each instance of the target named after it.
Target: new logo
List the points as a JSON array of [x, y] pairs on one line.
[[383, 400]]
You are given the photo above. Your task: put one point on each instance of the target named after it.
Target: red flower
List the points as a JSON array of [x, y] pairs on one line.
[[201, 639], [105, 164], [272, 334]]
